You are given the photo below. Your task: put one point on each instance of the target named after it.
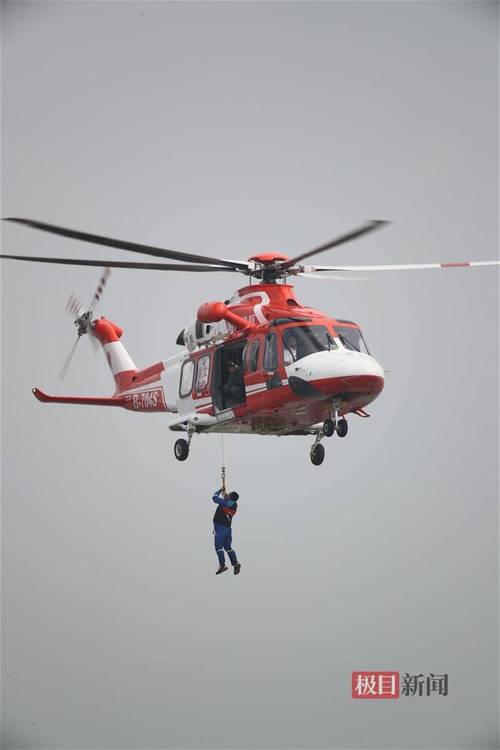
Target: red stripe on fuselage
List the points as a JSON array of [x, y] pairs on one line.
[[283, 405]]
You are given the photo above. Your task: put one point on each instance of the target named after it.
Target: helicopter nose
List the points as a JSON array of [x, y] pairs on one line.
[[346, 375]]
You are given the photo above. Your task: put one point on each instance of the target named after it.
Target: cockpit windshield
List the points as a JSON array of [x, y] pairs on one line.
[[351, 338], [300, 341]]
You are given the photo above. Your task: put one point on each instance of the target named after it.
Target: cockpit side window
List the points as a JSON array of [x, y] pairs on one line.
[[300, 341], [351, 338]]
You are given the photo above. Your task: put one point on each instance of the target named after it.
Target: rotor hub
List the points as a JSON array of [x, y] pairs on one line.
[[266, 266], [265, 259]]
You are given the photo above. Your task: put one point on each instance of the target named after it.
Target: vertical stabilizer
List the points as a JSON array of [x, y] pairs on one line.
[[120, 362]]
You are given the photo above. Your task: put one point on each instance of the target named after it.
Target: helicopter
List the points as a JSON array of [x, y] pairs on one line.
[[259, 362]]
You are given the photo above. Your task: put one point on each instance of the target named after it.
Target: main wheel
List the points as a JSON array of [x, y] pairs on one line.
[[342, 427], [181, 449], [329, 427], [318, 455]]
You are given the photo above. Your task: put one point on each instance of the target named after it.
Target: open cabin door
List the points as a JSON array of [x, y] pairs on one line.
[[228, 385]]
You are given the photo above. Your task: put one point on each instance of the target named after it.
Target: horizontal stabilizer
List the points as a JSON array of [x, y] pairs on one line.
[[87, 400]]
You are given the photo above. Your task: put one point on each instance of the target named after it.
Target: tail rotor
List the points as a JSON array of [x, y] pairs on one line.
[[83, 319]]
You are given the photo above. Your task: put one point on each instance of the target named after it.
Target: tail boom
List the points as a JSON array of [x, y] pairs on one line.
[[136, 390]]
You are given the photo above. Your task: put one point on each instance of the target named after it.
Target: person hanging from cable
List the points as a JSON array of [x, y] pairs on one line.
[[227, 505]]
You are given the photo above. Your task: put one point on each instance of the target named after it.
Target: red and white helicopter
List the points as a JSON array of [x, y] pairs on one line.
[[260, 362]]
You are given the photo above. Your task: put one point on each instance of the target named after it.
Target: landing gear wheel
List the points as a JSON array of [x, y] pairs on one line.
[[318, 455], [181, 449], [328, 427], [342, 428]]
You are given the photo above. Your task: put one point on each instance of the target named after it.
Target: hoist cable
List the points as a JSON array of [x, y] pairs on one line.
[[223, 469]]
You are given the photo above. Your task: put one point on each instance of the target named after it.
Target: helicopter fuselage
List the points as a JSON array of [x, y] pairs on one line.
[[290, 364], [287, 390]]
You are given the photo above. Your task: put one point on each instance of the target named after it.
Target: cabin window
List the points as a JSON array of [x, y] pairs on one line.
[[253, 359], [351, 338], [187, 373], [271, 352], [202, 372], [300, 341]]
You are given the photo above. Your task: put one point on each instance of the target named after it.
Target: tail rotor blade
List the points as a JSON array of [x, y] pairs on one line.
[[100, 288], [73, 307], [67, 361], [83, 319], [96, 299], [94, 344]]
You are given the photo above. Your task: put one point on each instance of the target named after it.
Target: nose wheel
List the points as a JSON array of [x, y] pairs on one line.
[[342, 427], [335, 423], [328, 427]]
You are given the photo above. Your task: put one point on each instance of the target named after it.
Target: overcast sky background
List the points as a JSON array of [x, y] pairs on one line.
[[232, 128]]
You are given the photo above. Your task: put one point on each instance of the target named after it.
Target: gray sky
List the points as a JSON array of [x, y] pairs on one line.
[[232, 128]]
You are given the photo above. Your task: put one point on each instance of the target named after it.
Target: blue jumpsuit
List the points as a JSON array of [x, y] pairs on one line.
[[222, 528]]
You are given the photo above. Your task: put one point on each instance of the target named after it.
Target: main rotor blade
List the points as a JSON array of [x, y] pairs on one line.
[[131, 246], [370, 226], [120, 264], [404, 267], [331, 277]]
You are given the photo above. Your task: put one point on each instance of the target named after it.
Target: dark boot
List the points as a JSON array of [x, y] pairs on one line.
[[237, 568], [221, 569]]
